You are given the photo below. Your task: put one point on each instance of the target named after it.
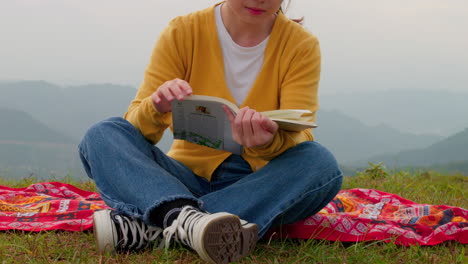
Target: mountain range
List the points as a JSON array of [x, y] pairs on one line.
[[443, 113], [45, 122], [30, 148], [22, 127], [351, 140], [452, 150], [69, 110]]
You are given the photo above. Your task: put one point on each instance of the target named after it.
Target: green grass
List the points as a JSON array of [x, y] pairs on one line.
[[421, 187]]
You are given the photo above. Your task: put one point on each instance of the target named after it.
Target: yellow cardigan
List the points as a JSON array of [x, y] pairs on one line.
[[189, 49]]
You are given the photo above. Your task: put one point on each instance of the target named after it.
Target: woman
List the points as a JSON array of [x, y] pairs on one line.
[[216, 202]]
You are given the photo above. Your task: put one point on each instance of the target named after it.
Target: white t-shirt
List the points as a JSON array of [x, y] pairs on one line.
[[241, 64]]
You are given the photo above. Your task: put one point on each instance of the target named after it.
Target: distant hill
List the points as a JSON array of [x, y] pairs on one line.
[[420, 112], [453, 167], [453, 149], [69, 110], [19, 160], [351, 140], [20, 126], [28, 147]]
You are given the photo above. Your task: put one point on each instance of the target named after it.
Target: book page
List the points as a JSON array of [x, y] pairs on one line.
[[203, 123]]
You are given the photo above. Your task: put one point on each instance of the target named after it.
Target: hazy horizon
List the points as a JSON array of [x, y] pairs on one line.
[[366, 45]]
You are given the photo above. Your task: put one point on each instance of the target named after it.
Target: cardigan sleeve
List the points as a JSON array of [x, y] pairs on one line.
[[299, 90], [166, 63]]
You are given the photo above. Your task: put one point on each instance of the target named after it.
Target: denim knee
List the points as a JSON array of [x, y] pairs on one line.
[[103, 131], [107, 126], [315, 156]]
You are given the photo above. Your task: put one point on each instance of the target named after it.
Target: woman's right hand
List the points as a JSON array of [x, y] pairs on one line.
[[166, 93]]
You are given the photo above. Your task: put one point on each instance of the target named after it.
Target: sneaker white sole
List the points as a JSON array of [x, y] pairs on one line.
[[104, 230], [249, 238], [222, 239]]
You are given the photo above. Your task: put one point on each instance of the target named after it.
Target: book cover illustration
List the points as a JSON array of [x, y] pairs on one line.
[[203, 123]]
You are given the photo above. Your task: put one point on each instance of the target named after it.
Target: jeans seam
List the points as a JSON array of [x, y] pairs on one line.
[[132, 210], [298, 199], [80, 150], [196, 194]]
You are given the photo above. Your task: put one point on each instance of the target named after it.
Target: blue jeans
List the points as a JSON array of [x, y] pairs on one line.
[[134, 177]]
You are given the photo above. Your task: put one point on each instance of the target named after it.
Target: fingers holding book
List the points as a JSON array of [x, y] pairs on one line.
[[250, 128], [166, 93]]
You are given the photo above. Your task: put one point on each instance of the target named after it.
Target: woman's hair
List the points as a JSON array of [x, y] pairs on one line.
[[284, 9]]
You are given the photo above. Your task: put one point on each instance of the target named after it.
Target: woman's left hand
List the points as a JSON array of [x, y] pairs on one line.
[[250, 128]]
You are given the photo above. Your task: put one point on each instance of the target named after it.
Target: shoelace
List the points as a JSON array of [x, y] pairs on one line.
[[145, 232], [182, 228]]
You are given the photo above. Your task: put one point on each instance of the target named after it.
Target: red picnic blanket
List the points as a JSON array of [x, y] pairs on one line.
[[353, 215]]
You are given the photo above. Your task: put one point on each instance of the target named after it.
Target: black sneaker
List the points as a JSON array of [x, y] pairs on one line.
[[217, 238], [117, 233]]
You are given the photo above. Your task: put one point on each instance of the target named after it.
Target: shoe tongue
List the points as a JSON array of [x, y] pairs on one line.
[[171, 216], [129, 235]]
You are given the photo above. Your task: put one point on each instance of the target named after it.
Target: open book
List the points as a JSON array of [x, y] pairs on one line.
[[200, 119]]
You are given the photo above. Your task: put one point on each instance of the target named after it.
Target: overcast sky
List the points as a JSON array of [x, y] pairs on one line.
[[366, 44]]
